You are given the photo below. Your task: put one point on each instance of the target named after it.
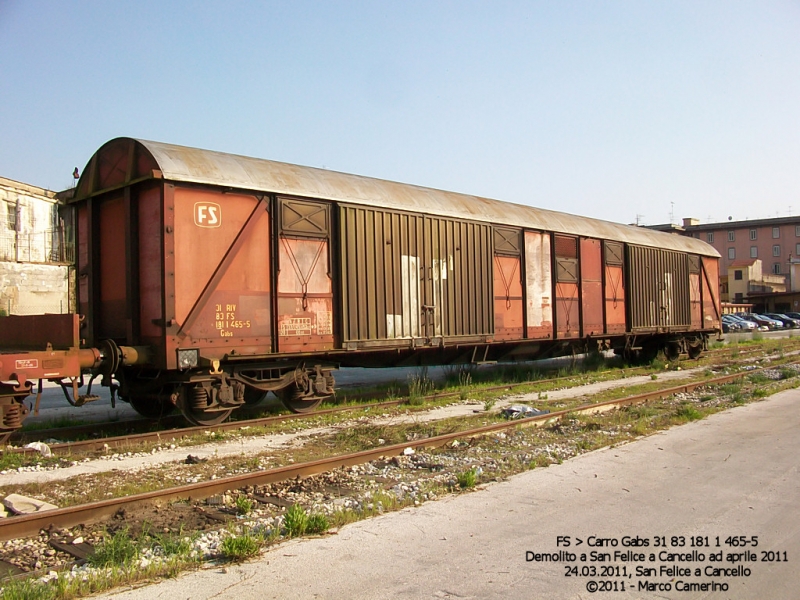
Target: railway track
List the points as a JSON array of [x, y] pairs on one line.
[[30, 525], [128, 440]]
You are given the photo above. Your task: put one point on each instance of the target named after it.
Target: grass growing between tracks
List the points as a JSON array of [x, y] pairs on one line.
[[351, 436], [458, 467]]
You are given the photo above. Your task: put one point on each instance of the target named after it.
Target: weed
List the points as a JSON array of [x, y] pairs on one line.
[[464, 382], [759, 393], [295, 520], [706, 397], [540, 460], [787, 373], [659, 364], [729, 389], [317, 523], [419, 386], [240, 547], [759, 378], [27, 589], [467, 479], [118, 549], [594, 361], [653, 376], [757, 336], [488, 404], [542, 396], [738, 398], [243, 505], [687, 412], [173, 545]]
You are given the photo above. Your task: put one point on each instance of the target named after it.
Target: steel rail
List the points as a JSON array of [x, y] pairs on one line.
[[30, 525], [168, 435]]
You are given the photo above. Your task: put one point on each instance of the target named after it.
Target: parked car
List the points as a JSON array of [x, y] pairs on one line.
[[744, 323], [730, 325], [788, 322], [794, 315], [765, 320], [761, 323], [772, 322]]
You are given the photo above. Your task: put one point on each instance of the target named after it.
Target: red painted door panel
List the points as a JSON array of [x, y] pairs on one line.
[[591, 287], [614, 286], [305, 296], [507, 298]]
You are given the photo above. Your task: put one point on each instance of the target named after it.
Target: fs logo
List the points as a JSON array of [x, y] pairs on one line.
[[207, 214]]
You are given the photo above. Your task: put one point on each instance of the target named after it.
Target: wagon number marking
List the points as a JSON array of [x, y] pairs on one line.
[[29, 363]]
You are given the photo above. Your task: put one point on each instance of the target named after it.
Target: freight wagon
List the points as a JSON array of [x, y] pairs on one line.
[[205, 280]]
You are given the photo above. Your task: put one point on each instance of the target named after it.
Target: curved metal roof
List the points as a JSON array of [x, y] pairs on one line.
[[182, 164]]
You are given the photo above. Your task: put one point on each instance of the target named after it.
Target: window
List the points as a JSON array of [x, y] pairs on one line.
[[776, 268], [776, 232], [753, 234], [797, 250], [738, 298], [797, 230], [737, 275], [710, 237], [776, 250], [731, 253], [11, 216], [731, 236], [754, 251]]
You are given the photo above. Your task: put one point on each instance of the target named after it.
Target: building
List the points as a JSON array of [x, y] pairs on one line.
[[773, 241], [746, 278], [35, 257]]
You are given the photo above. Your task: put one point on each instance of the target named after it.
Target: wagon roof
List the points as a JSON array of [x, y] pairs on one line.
[[183, 164]]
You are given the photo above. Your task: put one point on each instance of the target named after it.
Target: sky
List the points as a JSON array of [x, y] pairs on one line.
[[640, 111]]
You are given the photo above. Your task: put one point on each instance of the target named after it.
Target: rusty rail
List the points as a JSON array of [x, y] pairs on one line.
[[168, 435], [29, 525]]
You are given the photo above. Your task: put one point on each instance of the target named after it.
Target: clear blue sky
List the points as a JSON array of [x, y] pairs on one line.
[[601, 108]]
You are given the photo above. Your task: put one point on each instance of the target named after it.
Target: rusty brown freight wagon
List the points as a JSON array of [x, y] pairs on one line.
[[206, 279]]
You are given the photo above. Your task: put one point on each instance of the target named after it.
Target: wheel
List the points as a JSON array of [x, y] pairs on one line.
[[194, 399], [292, 398], [206, 418], [672, 351], [253, 396], [151, 407], [694, 350]]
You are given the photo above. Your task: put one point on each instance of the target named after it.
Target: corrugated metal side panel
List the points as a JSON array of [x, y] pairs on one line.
[[659, 289], [407, 277], [710, 290], [591, 287], [538, 285]]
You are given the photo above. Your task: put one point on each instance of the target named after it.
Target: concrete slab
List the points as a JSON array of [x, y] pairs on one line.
[[733, 474]]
